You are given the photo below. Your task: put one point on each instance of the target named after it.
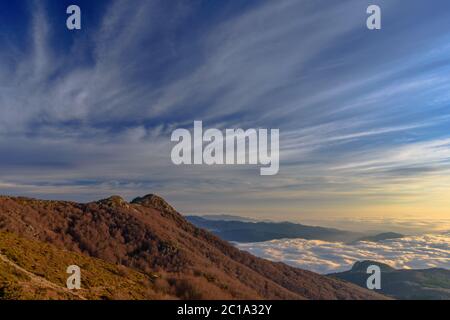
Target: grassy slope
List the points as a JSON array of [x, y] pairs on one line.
[[35, 270]]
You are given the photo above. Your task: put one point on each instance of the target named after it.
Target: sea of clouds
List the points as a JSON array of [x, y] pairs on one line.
[[415, 252]]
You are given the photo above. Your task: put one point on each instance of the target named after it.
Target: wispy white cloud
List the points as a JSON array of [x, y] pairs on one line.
[[358, 113]]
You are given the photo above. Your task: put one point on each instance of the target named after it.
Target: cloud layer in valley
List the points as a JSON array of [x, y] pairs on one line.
[[418, 252]]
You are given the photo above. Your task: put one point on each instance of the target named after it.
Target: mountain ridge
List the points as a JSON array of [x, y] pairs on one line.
[[260, 231], [149, 235], [381, 237]]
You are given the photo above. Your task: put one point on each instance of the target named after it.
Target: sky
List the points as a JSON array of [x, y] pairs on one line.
[[363, 114]]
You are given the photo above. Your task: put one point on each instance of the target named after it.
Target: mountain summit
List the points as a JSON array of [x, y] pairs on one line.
[[151, 240], [155, 202]]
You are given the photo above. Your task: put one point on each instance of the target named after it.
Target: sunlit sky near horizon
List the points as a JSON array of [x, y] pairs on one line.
[[364, 116]]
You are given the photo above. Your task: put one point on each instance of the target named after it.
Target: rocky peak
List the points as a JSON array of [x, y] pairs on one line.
[[114, 201], [155, 202]]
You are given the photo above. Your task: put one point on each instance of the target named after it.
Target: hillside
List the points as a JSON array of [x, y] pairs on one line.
[[150, 237], [432, 284], [35, 270]]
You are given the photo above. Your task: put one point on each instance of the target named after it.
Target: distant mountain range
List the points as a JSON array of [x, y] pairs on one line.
[[430, 284], [227, 217], [381, 237], [142, 249], [234, 229]]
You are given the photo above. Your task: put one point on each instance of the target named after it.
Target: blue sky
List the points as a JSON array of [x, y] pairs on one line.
[[363, 115]]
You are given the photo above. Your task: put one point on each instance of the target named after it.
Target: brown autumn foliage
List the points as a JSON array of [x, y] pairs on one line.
[[33, 270], [150, 236]]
